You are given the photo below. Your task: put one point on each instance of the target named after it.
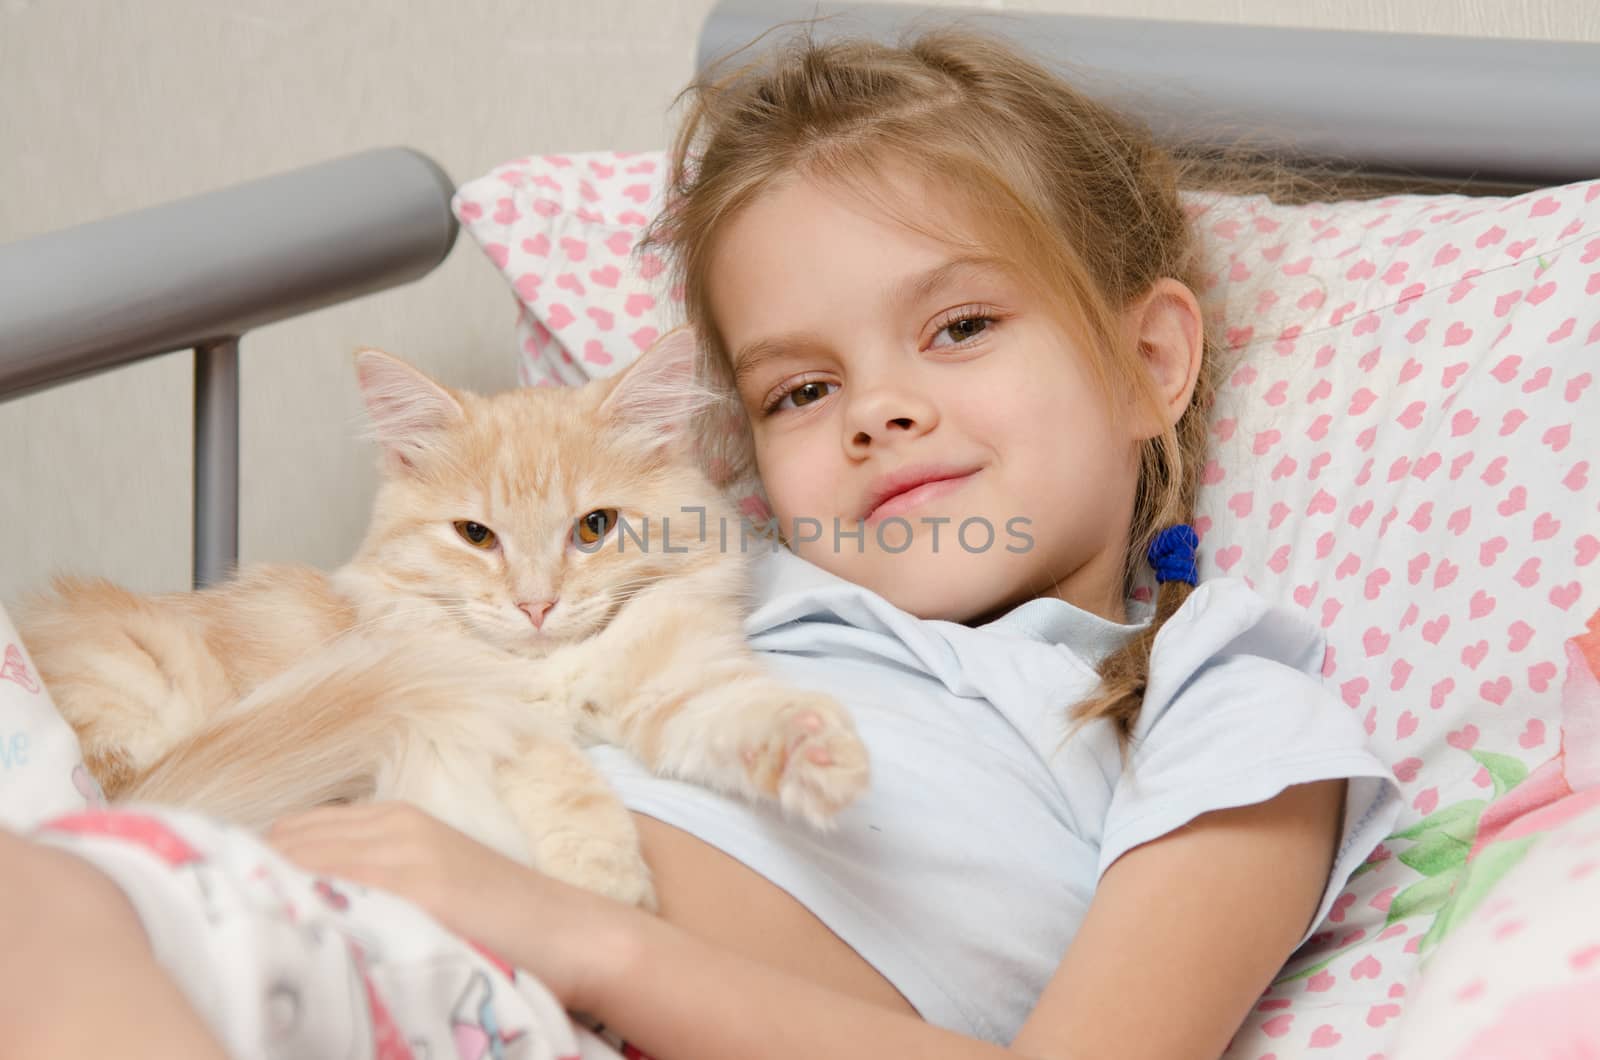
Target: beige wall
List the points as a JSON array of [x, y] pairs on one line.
[[107, 107]]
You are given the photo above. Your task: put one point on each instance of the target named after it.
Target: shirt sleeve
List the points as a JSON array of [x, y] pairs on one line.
[[1235, 712]]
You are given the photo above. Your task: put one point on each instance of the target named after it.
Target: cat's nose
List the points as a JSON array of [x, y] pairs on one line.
[[537, 611]]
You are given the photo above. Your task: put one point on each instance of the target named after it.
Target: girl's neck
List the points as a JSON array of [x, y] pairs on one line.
[[1098, 586]]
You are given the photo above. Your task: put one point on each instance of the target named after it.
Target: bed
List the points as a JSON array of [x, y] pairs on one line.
[[1404, 449]]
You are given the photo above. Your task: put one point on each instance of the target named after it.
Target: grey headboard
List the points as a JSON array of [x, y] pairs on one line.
[[1504, 111]]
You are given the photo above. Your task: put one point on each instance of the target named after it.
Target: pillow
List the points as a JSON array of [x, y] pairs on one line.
[[1402, 449], [562, 229]]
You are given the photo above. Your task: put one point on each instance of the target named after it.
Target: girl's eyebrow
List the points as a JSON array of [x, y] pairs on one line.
[[915, 288], [753, 355], [907, 291]]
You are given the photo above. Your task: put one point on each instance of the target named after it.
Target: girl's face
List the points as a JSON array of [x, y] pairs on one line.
[[922, 425]]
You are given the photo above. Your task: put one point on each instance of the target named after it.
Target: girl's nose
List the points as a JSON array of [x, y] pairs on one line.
[[887, 412]]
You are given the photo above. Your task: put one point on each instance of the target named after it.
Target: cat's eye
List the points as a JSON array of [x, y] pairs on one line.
[[593, 526], [476, 534]]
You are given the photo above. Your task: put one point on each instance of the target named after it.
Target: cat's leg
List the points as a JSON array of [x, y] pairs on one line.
[[131, 678], [486, 748], [544, 806], [727, 724], [685, 694], [577, 827]]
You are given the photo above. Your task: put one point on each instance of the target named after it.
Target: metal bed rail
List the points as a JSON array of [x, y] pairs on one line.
[[199, 274], [1517, 112]]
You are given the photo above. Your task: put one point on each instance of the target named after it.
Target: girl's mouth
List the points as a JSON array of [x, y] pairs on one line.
[[899, 494]]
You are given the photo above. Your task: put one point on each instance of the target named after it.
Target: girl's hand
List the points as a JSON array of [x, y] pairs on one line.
[[556, 932], [396, 847]]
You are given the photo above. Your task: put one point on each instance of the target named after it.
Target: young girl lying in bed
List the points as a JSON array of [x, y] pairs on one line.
[[955, 300]]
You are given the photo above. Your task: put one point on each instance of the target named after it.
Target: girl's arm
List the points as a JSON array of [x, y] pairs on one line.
[[1180, 939], [1185, 933]]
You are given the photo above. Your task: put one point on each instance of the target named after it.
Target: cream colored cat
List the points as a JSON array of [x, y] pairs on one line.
[[495, 617]]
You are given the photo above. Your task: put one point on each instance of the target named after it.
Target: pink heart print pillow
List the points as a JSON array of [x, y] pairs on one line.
[[1404, 449], [562, 229]]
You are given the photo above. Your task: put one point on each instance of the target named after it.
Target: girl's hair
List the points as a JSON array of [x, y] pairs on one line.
[[1069, 195]]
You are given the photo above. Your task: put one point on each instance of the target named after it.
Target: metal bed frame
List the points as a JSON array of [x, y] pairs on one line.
[[1410, 105], [202, 272]]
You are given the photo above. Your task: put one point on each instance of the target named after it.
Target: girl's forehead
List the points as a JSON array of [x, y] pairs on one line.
[[855, 242], [809, 228], [885, 193]]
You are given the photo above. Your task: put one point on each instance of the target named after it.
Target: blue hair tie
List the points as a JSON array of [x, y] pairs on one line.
[[1172, 554]]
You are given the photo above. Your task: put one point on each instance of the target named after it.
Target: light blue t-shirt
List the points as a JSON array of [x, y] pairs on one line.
[[964, 871]]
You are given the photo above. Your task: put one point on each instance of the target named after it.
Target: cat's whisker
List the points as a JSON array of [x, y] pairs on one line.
[[681, 592], [640, 582]]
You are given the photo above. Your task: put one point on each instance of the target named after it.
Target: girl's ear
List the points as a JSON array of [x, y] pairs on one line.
[[408, 410], [1169, 332], [658, 395]]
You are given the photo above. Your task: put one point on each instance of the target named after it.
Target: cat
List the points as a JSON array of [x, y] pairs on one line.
[[542, 570]]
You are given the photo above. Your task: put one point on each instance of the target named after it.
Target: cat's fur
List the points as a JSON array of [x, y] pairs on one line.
[[411, 672]]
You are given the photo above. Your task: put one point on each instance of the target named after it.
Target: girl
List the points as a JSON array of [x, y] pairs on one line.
[[954, 299]]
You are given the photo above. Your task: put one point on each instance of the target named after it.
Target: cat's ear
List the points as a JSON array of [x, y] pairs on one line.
[[408, 410], [659, 393]]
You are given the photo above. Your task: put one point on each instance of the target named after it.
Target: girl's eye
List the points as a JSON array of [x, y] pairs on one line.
[[963, 328], [804, 394], [476, 534], [593, 526]]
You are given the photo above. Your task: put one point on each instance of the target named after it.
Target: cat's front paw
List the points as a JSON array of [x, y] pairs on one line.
[[598, 864], [810, 759]]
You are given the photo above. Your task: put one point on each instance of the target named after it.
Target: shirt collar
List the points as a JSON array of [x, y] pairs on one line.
[[1046, 619], [1055, 621]]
